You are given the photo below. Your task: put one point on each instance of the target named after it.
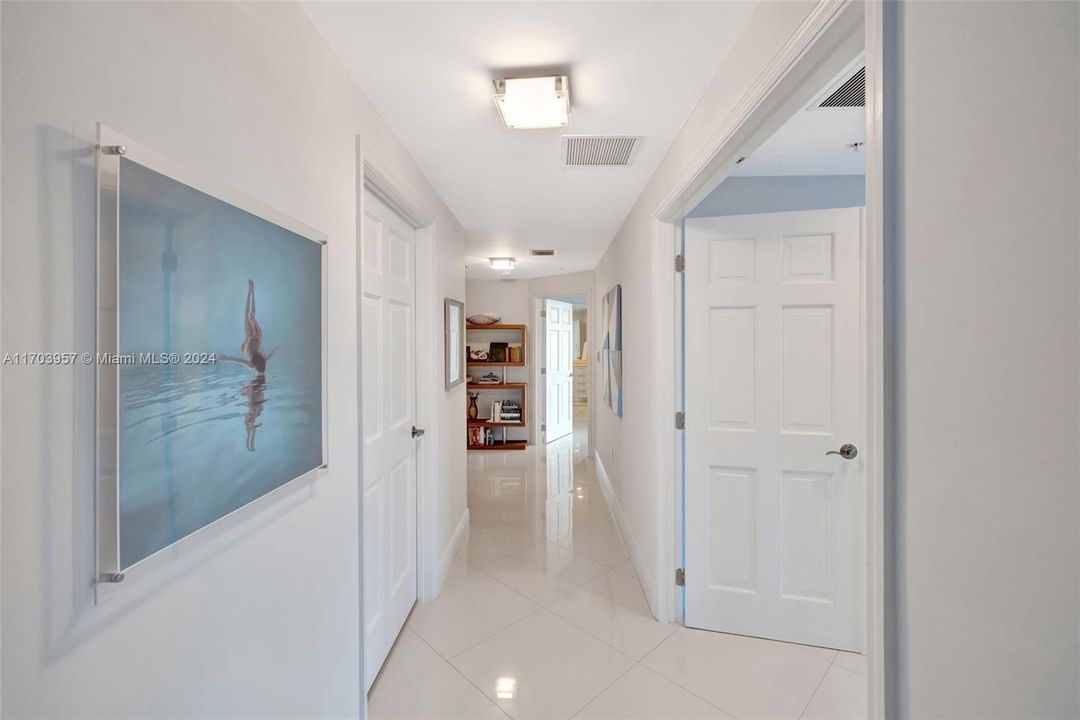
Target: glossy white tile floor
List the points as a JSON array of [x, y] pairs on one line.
[[543, 617]]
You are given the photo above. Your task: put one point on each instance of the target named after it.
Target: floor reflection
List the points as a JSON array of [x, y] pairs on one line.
[[543, 615], [548, 490]]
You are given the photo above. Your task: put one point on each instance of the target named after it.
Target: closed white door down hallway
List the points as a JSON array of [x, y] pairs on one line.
[[543, 617]]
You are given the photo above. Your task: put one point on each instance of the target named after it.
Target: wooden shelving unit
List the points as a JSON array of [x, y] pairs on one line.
[[502, 445], [517, 327], [481, 422], [516, 335]]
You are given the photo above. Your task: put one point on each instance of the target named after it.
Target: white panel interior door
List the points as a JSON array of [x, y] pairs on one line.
[[559, 369], [389, 408], [774, 526]]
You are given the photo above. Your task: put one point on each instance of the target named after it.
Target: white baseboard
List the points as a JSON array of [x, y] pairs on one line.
[[446, 562], [623, 523]]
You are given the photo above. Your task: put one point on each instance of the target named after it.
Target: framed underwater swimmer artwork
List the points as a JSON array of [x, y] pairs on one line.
[[211, 362]]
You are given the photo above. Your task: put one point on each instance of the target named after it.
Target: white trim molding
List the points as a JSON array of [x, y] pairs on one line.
[[666, 379], [446, 563], [623, 523], [379, 180], [877, 330], [767, 96], [430, 389]]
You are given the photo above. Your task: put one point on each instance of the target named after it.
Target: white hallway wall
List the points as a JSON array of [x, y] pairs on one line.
[[264, 621], [508, 298], [985, 360], [512, 298], [985, 141]]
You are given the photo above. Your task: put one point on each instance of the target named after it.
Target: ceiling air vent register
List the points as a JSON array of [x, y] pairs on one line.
[[599, 150], [850, 94]]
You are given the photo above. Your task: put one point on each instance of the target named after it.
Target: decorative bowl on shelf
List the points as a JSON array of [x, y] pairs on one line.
[[484, 318]]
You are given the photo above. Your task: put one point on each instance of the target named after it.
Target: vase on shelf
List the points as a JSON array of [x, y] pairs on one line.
[[474, 411]]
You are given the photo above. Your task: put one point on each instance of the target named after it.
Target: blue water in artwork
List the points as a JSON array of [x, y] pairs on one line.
[[199, 440]]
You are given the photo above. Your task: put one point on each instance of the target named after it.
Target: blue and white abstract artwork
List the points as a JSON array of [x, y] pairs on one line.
[[611, 349], [225, 404]]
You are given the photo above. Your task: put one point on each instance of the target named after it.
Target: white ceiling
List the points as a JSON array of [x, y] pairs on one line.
[[634, 68], [813, 142]]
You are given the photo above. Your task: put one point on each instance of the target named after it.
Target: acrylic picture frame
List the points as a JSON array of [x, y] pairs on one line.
[[115, 152]]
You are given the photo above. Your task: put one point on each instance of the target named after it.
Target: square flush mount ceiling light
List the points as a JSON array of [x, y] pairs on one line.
[[501, 263], [533, 103]]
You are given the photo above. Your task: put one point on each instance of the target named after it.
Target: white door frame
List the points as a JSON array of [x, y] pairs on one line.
[[373, 175], [833, 34], [537, 355]]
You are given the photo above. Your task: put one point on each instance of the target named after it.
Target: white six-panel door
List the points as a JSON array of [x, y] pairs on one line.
[[389, 407], [559, 369], [774, 526]]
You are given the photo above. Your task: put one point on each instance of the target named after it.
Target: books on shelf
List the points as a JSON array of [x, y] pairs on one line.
[[504, 411]]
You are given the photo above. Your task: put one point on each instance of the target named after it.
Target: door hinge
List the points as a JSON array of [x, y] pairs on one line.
[[543, 428], [543, 313], [680, 577], [680, 421], [543, 371], [680, 263]]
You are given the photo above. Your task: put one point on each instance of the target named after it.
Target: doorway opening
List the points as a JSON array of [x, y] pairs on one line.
[[774, 485], [778, 328], [563, 389], [390, 455], [395, 264], [774, 488]]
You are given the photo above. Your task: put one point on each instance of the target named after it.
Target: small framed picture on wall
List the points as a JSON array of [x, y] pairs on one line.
[[454, 317]]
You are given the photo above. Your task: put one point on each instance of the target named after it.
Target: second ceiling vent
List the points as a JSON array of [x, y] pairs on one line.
[[850, 93], [599, 150]]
